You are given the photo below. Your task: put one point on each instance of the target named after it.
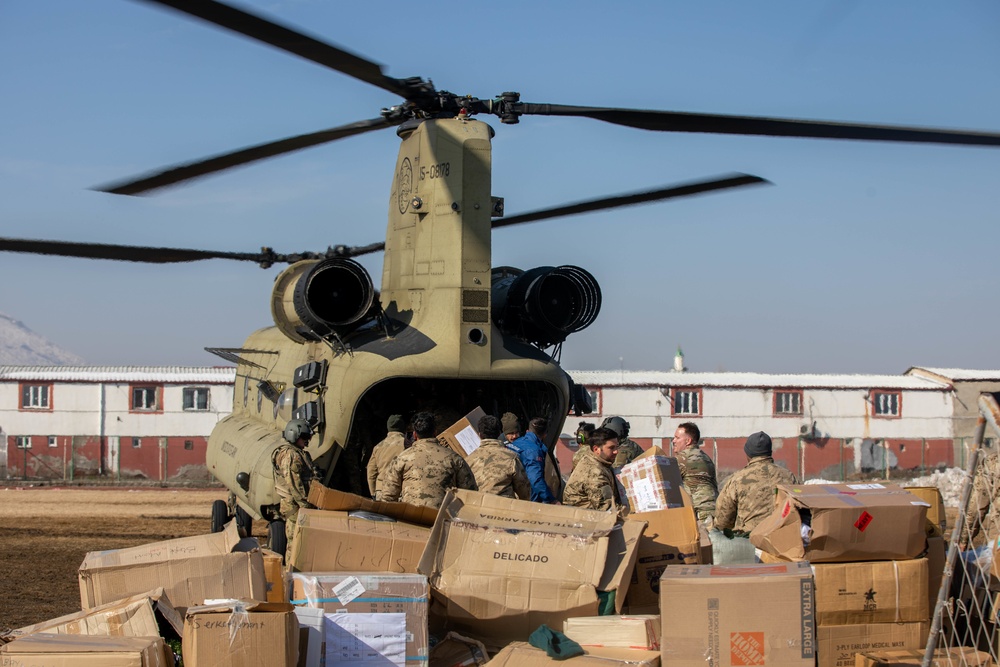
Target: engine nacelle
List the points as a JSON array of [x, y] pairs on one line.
[[544, 305], [314, 298]]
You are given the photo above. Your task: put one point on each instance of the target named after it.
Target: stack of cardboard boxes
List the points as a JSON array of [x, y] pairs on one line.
[[866, 544]]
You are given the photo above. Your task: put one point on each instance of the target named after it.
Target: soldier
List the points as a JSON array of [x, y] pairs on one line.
[[532, 451], [583, 431], [385, 451], [511, 427], [983, 513], [293, 471], [697, 470], [747, 497], [627, 449], [423, 473], [497, 469], [592, 484]]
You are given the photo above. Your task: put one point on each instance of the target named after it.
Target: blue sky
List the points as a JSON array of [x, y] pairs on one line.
[[862, 257]]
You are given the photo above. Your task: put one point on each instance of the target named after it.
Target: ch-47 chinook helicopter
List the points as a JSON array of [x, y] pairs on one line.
[[446, 331]]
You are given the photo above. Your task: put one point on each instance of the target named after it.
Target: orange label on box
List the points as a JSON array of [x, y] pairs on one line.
[[746, 648], [863, 521]]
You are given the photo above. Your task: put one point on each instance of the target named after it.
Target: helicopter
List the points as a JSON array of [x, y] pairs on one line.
[[446, 331]]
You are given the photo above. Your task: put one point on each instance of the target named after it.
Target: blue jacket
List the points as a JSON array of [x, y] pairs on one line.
[[532, 452]]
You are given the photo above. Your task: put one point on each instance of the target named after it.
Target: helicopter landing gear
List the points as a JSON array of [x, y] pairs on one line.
[[225, 511], [220, 515], [276, 540], [244, 522]]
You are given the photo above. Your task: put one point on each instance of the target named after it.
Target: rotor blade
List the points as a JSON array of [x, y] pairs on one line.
[[217, 163], [288, 39], [684, 190], [124, 253], [677, 121]]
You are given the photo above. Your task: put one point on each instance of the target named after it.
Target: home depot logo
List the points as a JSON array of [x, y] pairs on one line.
[[746, 648]]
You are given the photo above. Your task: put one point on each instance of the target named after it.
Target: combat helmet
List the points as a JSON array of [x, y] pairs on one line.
[[297, 428], [618, 425]]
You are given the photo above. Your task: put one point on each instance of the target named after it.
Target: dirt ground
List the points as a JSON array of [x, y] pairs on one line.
[[47, 531]]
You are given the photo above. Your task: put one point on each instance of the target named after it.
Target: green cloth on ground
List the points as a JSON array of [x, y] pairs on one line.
[[555, 644]]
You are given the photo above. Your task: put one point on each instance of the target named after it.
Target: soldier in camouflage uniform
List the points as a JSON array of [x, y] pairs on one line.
[[384, 452], [497, 469], [293, 471], [747, 497], [983, 513], [628, 450], [697, 470], [422, 474], [592, 484]]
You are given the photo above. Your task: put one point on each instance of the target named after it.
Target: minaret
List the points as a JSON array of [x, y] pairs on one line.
[[679, 366]]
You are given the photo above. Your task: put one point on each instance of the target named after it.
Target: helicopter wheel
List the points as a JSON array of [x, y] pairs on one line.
[[244, 522], [276, 540], [220, 515]]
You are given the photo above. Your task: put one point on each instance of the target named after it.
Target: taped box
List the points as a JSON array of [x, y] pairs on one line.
[[189, 569], [146, 615], [736, 615], [840, 644], [500, 567], [379, 619], [45, 650], [274, 575], [522, 654], [842, 523], [462, 436], [652, 481], [871, 592], [937, 521], [241, 633], [325, 498], [950, 657], [641, 631]]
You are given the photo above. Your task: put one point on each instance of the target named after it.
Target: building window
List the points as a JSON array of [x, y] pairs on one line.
[[53, 441], [887, 403], [23, 441], [36, 396], [196, 398], [146, 398], [189, 444], [686, 401], [787, 402], [136, 443]]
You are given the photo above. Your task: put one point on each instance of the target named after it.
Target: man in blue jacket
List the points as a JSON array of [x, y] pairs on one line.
[[532, 451]]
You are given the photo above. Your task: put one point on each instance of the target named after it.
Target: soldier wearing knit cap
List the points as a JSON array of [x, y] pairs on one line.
[[511, 427], [384, 452], [747, 497]]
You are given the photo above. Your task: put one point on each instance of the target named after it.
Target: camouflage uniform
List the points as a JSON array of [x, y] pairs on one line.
[[499, 471], [293, 471], [423, 473], [628, 450], [747, 497], [592, 485], [382, 455], [698, 475], [983, 511]]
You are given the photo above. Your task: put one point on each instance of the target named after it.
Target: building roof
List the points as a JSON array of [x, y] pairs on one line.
[[158, 374], [960, 374], [763, 380]]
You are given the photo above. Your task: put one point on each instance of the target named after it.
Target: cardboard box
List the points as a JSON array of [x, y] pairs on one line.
[[190, 570], [458, 651], [672, 537], [871, 592], [641, 631], [241, 633], [950, 657], [838, 644], [936, 561], [46, 650], [274, 575], [500, 567], [326, 541], [312, 646], [146, 615], [846, 522], [462, 436], [935, 513], [340, 501], [735, 615], [522, 654], [392, 606], [705, 551], [652, 481]]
